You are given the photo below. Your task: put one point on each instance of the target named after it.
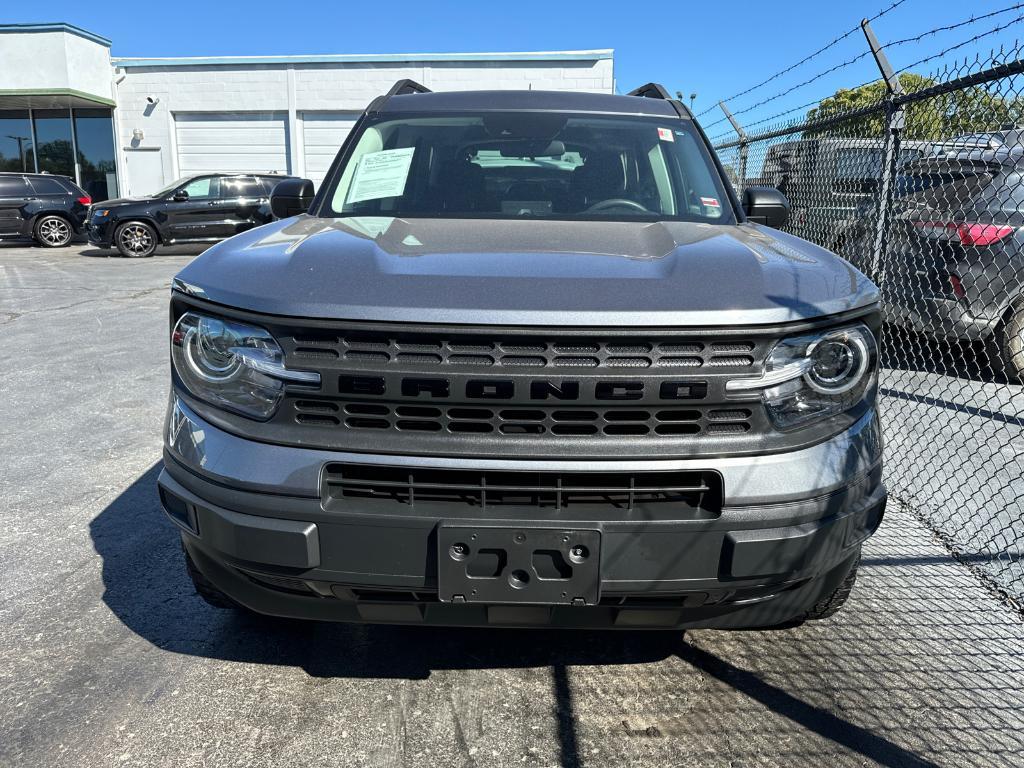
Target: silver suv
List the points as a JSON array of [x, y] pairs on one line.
[[525, 359]]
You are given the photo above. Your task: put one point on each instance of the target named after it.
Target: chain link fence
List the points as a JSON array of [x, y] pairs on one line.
[[918, 181]]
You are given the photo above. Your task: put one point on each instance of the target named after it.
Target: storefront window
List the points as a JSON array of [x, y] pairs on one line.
[[16, 142], [53, 137], [94, 136]]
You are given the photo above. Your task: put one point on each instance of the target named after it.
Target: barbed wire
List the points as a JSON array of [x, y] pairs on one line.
[[785, 112], [806, 59], [951, 27], [796, 87], [952, 48], [892, 44]]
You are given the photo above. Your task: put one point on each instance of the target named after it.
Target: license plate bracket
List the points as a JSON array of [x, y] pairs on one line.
[[535, 566]]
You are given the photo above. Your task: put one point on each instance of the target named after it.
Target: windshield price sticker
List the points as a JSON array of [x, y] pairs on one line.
[[381, 174]]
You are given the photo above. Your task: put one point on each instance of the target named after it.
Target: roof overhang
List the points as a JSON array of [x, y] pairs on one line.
[[50, 98], [70, 29], [53, 65]]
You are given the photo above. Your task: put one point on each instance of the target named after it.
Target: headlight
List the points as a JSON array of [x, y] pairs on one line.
[[812, 377], [232, 365], [101, 213]]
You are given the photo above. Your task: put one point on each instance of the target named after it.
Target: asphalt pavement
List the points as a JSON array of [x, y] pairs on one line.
[[107, 657]]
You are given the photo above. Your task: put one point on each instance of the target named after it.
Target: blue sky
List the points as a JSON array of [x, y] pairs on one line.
[[713, 49]]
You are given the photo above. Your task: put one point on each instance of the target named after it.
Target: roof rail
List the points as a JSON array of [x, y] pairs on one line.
[[651, 91], [403, 87]]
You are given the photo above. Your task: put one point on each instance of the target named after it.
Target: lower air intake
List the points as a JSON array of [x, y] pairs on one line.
[[699, 492]]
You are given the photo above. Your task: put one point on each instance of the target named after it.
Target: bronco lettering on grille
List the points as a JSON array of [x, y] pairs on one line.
[[537, 389]]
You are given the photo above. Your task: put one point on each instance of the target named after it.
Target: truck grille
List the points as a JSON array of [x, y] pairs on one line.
[[540, 420], [430, 351], [700, 492], [489, 391]]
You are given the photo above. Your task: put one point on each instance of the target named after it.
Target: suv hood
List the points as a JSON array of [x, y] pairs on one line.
[[497, 272], [124, 201]]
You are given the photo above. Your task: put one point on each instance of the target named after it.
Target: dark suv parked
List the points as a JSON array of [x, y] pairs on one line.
[[49, 209], [955, 262], [196, 209]]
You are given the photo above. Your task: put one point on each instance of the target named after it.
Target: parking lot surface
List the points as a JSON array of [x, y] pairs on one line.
[[107, 657]]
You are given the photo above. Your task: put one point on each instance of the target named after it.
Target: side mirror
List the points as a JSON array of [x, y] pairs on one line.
[[180, 196], [766, 205], [291, 197]]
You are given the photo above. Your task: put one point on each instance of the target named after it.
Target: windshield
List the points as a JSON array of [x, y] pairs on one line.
[[172, 186], [528, 165]]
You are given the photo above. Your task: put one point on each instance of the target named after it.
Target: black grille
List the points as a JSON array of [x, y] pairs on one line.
[[453, 390], [527, 420], [427, 351], [698, 492], [532, 392]]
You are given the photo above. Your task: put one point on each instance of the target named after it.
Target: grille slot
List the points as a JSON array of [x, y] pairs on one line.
[[441, 350], [647, 423], [696, 494]]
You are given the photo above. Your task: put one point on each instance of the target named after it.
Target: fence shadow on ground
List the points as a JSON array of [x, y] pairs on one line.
[[840, 686]]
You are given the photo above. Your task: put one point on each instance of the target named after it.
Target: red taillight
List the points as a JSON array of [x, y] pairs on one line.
[[969, 234], [85, 200], [983, 234]]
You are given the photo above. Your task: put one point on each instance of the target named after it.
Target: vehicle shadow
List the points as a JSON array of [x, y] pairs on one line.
[[146, 587], [172, 250]]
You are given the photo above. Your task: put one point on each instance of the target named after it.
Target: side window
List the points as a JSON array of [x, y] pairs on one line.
[[45, 186], [204, 188], [240, 186], [14, 186]]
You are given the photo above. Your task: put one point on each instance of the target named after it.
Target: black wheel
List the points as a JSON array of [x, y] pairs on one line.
[[135, 239], [53, 231], [1012, 347], [205, 588], [829, 606]]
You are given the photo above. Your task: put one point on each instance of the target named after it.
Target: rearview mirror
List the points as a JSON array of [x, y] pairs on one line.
[[291, 197], [180, 196], [766, 205]]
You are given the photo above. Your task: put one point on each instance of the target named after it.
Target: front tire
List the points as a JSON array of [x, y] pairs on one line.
[[205, 588], [53, 232], [135, 240], [829, 606], [1012, 347]]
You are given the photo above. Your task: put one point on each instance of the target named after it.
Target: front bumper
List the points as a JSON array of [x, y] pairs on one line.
[[99, 231], [253, 521]]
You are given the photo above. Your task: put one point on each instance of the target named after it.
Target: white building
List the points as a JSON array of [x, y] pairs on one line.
[[131, 126]]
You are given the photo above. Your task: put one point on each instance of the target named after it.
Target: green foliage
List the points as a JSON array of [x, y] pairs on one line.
[[970, 110]]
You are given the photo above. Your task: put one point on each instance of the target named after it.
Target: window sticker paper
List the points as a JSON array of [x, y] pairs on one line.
[[381, 174]]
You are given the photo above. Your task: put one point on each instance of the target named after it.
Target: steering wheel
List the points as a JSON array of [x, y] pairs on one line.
[[616, 202]]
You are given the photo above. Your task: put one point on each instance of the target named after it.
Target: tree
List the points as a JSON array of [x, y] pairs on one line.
[[969, 110]]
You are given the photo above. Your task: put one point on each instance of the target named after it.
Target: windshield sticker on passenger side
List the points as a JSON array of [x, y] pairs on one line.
[[381, 174], [665, 134]]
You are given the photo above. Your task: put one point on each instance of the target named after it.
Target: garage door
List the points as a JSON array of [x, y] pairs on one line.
[[322, 135], [232, 141]]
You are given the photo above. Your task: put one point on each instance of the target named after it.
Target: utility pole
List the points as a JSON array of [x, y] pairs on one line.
[[894, 122], [744, 143]]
